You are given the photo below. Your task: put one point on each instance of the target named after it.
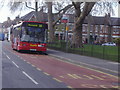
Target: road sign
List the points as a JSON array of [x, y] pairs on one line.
[[65, 19]]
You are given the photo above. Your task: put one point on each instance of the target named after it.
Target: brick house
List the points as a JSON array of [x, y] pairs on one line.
[[102, 29]]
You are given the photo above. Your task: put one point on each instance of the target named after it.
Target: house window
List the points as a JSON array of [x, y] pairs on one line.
[[96, 28]]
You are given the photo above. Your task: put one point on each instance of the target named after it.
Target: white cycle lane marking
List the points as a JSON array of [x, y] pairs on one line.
[[6, 55], [22, 71], [15, 64], [30, 77]]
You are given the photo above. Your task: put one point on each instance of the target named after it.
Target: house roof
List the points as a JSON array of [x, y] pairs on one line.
[[94, 19], [43, 17], [113, 21], [28, 16]]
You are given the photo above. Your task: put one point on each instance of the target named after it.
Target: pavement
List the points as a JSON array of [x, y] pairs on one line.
[[90, 62]]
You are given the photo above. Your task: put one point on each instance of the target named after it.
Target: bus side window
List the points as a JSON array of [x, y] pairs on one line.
[[23, 31]]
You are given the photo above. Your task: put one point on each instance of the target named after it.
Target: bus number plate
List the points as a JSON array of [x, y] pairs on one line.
[[32, 49]]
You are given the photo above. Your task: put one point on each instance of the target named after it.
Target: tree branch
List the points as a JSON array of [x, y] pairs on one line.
[[28, 6], [76, 4], [86, 10], [64, 10]]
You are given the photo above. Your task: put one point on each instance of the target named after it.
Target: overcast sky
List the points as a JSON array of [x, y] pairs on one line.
[[5, 12]]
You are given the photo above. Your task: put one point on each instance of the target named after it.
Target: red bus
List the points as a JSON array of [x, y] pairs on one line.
[[29, 35]]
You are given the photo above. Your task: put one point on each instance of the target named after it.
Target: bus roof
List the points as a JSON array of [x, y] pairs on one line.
[[21, 22], [35, 22]]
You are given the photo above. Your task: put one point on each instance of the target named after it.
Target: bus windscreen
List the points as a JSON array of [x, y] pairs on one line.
[[33, 34]]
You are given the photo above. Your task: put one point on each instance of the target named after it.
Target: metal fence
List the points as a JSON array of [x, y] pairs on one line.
[[104, 52]]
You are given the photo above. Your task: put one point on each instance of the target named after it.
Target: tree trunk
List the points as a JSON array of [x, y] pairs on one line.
[[77, 36], [36, 10], [50, 22], [93, 34], [77, 31], [88, 28], [109, 34], [98, 37], [79, 19]]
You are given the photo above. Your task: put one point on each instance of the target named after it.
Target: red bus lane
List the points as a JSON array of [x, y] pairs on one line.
[[73, 75]]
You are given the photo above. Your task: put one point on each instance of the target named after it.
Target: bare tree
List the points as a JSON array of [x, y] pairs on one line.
[[51, 22], [80, 15], [81, 9], [1, 4], [19, 5]]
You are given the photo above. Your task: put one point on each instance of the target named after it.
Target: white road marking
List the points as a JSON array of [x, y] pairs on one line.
[[52, 50], [7, 56], [15, 64], [30, 77], [113, 62]]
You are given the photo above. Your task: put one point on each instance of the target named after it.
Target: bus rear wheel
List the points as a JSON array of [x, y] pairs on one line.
[[43, 53], [18, 49]]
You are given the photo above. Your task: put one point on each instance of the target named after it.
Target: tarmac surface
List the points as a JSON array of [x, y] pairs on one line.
[[56, 70]]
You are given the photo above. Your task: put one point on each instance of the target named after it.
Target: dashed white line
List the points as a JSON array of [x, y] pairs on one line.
[[15, 64], [29, 77], [7, 56]]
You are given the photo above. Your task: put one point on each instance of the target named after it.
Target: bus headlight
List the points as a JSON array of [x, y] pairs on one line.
[[24, 44], [40, 45]]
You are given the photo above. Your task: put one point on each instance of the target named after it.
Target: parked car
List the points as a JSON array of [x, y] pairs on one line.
[[109, 44]]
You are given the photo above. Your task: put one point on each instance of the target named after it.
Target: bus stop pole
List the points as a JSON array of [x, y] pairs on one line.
[[67, 38]]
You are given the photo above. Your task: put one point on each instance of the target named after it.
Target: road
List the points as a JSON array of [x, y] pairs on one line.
[[30, 70]]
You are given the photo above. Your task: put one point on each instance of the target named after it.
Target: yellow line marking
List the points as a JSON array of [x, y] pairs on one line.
[[39, 69], [87, 68], [57, 79], [97, 77], [89, 85], [98, 71], [33, 57], [61, 76], [28, 62], [116, 87], [88, 76], [77, 76], [102, 86], [46, 73], [69, 86], [104, 76], [33, 65], [72, 76]]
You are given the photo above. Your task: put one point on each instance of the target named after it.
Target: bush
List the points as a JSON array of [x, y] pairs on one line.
[[117, 41]]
